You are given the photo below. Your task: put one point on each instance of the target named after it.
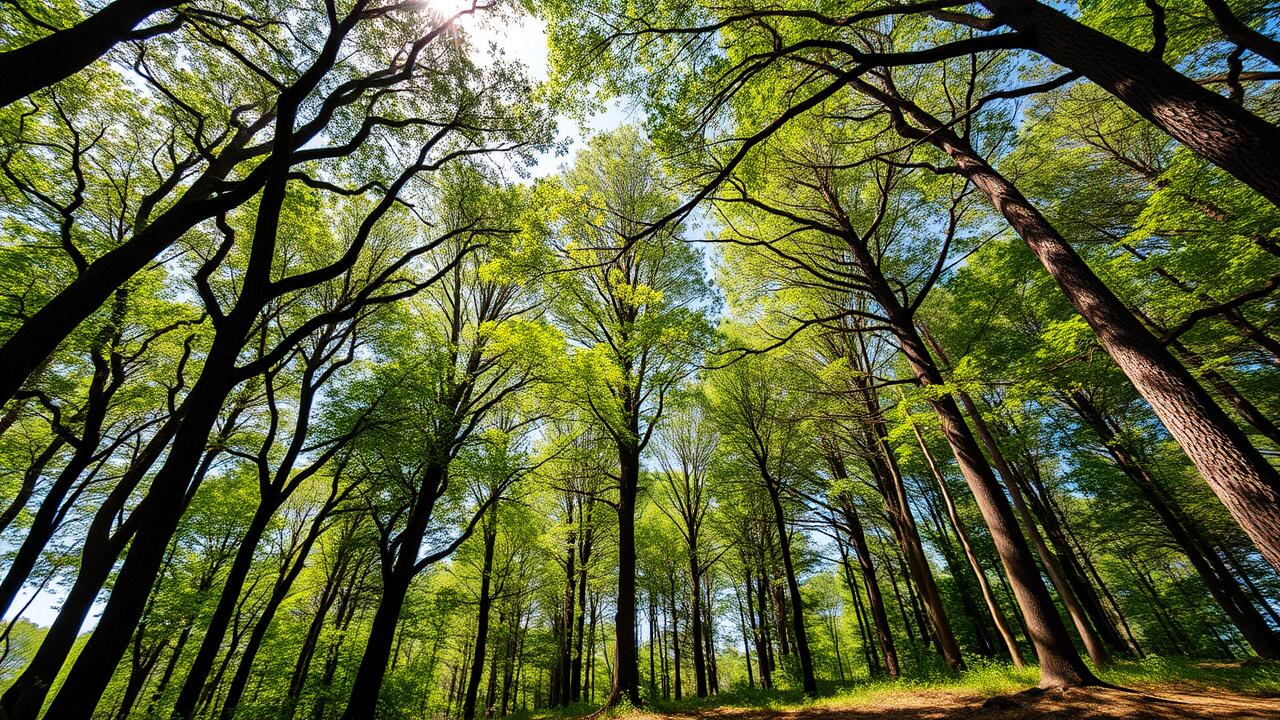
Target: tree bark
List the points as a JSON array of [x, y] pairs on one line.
[[695, 621], [1222, 586], [1240, 476], [211, 642], [626, 667], [397, 576], [879, 618], [1093, 644], [482, 619], [57, 56], [161, 511], [1212, 126], [988, 597], [808, 681], [1060, 664]]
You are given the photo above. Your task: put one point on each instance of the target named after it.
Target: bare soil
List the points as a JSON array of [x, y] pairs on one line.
[[1161, 702]]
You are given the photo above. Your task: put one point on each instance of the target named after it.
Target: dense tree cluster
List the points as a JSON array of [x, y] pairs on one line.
[[902, 337]]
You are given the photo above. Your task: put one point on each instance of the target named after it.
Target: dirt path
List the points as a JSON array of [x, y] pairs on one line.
[[1164, 702]]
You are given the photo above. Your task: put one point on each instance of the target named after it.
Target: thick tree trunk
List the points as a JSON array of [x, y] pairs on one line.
[[101, 549], [626, 667], [808, 681], [1060, 664], [362, 701], [1093, 644], [1212, 126], [482, 622], [988, 597], [695, 621], [211, 643], [1222, 586], [161, 511], [1240, 476], [56, 56]]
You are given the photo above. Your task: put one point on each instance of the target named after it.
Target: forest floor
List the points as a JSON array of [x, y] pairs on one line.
[[1155, 689], [1148, 703]]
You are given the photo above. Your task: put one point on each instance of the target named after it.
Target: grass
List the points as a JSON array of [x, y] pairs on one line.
[[1255, 677]]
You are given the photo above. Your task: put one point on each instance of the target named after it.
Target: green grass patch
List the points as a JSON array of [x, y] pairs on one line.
[[1259, 677]]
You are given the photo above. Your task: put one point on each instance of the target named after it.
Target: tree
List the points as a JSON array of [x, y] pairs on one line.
[[687, 453], [635, 312]]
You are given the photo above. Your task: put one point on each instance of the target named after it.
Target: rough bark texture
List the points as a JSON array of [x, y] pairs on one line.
[[1221, 131], [1240, 476]]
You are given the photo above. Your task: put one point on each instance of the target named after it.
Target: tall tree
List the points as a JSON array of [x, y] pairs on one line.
[[635, 312]]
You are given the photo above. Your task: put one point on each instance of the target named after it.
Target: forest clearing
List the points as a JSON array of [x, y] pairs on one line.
[[638, 359]]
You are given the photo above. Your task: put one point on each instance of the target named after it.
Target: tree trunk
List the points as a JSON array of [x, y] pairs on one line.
[[1240, 476], [879, 618], [864, 630], [1093, 644], [757, 635], [279, 593], [1222, 586], [584, 557], [626, 667], [15, 507], [1060, 664], [675, 640], [211, 643], [808, 681], [482, 620], [988, 597], [695, 621], [708, 625], [746, 645], [57, 56], [1212, 126], [161, 510], [565, 645], [920, 571], [362, 702]]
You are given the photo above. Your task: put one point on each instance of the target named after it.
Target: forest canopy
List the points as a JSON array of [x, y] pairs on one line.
[[357, 360]]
